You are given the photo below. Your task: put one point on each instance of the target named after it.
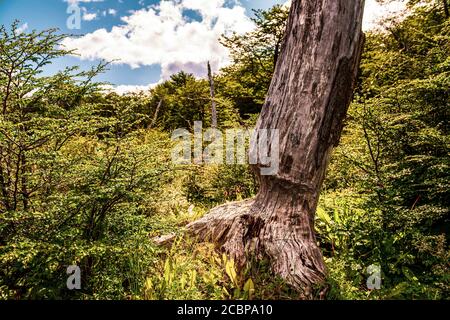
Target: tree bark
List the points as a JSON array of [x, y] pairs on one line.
[[276, 53], [155, 116], [213, 100], [446, 10], [307, 102]]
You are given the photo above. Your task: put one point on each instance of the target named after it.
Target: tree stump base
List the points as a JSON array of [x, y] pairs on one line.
[[243, 230]]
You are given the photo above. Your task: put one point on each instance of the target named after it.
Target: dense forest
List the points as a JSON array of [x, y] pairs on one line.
[[86, 176]]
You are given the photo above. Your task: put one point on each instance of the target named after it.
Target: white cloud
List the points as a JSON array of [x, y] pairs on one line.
[[125, 89], [288, 3], [22, 28], [89, 16], [161, 34], [208, 8], [83, 1], [112, 12], [375, 12]]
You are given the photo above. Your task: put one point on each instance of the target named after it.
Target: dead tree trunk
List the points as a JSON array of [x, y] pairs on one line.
[[446, 10], [307, 102], [213, 100], [155, 116]]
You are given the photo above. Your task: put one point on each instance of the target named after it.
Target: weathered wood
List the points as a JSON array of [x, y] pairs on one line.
[[213, 99], [307, 102], [155, 116], [165, 240], [446, 10]]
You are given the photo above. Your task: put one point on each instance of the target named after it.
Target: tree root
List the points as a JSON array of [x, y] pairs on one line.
[[241, 230]]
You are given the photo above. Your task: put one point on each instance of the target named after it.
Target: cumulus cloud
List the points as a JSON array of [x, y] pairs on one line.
[[112, 12], [163, 34], [81, 1], [89, 16], [22, 28], [374, 12], [126, 89]]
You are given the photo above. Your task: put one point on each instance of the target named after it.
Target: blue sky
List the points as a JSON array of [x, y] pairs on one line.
[[149, 40]]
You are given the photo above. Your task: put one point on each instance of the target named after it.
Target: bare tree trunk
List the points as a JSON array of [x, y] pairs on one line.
[[276, 53], [446, 10], [3, 186], [307, 102], [25, 194], [213, 101], [155, 117]]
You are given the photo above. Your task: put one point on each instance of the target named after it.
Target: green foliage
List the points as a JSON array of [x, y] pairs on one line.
[[254, 55], [184, 100], [394, 158], [86, 177], [189, 270], [213, 185], [76, 179]]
